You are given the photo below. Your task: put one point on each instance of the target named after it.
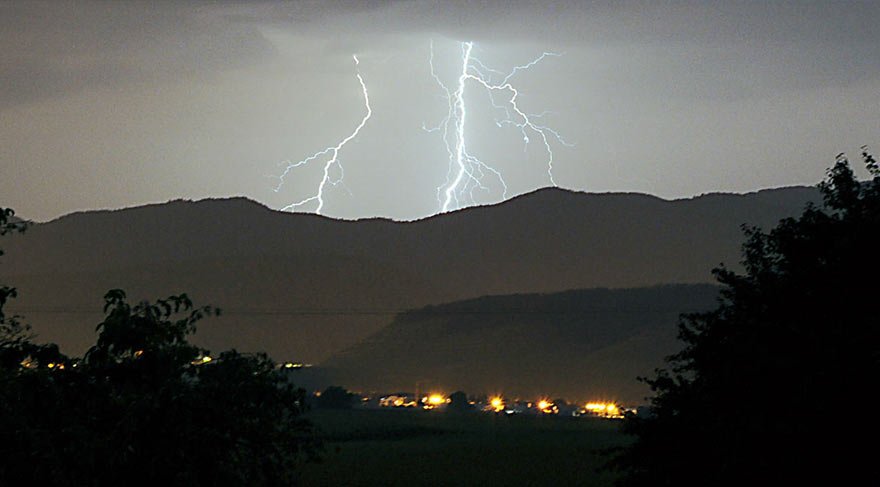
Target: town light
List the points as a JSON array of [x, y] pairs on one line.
[[497, 404], [603, 409], [436, 399], [547, 407], [202, 360]]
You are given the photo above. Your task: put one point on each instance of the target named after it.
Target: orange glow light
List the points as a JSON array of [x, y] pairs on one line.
[[547, 407], [603, 409], [497, 404]]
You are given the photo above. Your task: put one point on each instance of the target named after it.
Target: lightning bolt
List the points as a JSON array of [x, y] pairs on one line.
[[467, 172], [332, 157]]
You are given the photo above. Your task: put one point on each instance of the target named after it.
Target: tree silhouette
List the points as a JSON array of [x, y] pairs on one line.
[[336, 397], [458, 401], [13, 333], [767, 386]]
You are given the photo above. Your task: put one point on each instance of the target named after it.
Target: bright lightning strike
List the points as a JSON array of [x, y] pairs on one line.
[[467, 172], [331, 153]]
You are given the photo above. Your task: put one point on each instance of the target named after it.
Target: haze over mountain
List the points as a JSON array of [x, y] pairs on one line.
[[304, 287], [580, 345]]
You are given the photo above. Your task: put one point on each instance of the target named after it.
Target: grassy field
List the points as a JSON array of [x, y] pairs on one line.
[[411, 447]]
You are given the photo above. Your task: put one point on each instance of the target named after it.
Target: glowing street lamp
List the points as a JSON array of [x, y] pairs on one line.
[[547, 407], [603, 409], [497, 404]]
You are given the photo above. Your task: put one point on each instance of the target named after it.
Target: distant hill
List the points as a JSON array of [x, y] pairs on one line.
[[576, 344], [303, 286]]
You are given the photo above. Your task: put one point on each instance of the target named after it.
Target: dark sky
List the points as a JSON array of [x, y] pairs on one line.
[[112, 104]]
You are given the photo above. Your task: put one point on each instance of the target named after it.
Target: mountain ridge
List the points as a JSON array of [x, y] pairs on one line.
[[538, 191], [238, 254]]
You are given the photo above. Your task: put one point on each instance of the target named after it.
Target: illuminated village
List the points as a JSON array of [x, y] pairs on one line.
[[502, 406], [493, 403], [437, 401]]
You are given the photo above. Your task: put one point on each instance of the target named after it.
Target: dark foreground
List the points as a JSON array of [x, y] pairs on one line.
[[393, 447]]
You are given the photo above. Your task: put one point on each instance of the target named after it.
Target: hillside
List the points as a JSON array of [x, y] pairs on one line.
[[303, 286], [576, 344]]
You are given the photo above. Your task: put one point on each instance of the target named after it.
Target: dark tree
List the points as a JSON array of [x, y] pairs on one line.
[[13, 333], [769, 386], [335, 397], [231, 419], [458, 401], [146, 407], [10, 223], [33, 420]]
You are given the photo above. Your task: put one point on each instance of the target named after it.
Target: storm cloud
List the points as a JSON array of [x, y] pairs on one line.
[[110, 104]]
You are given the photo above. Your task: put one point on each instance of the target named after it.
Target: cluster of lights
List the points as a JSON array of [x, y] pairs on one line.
[[604, 409], [30, 363], [434, 401], [202, 360], [547, 407], [498, 404], [431, 401], [294, 365], [395, 401]]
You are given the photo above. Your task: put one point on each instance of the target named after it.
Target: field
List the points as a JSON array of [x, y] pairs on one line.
[[411, 447]]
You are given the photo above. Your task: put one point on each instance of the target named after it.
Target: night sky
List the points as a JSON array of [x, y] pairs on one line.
[[114, 104]]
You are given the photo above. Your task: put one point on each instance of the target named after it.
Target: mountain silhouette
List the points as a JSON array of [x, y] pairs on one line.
[[303, 287]]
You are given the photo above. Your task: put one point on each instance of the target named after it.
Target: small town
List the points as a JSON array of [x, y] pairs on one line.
[[441, 402]]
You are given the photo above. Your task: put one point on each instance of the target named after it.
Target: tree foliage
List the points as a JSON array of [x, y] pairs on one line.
[[336, 397], [146, 407], [12, 330], [768, 385], [458, 401]]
